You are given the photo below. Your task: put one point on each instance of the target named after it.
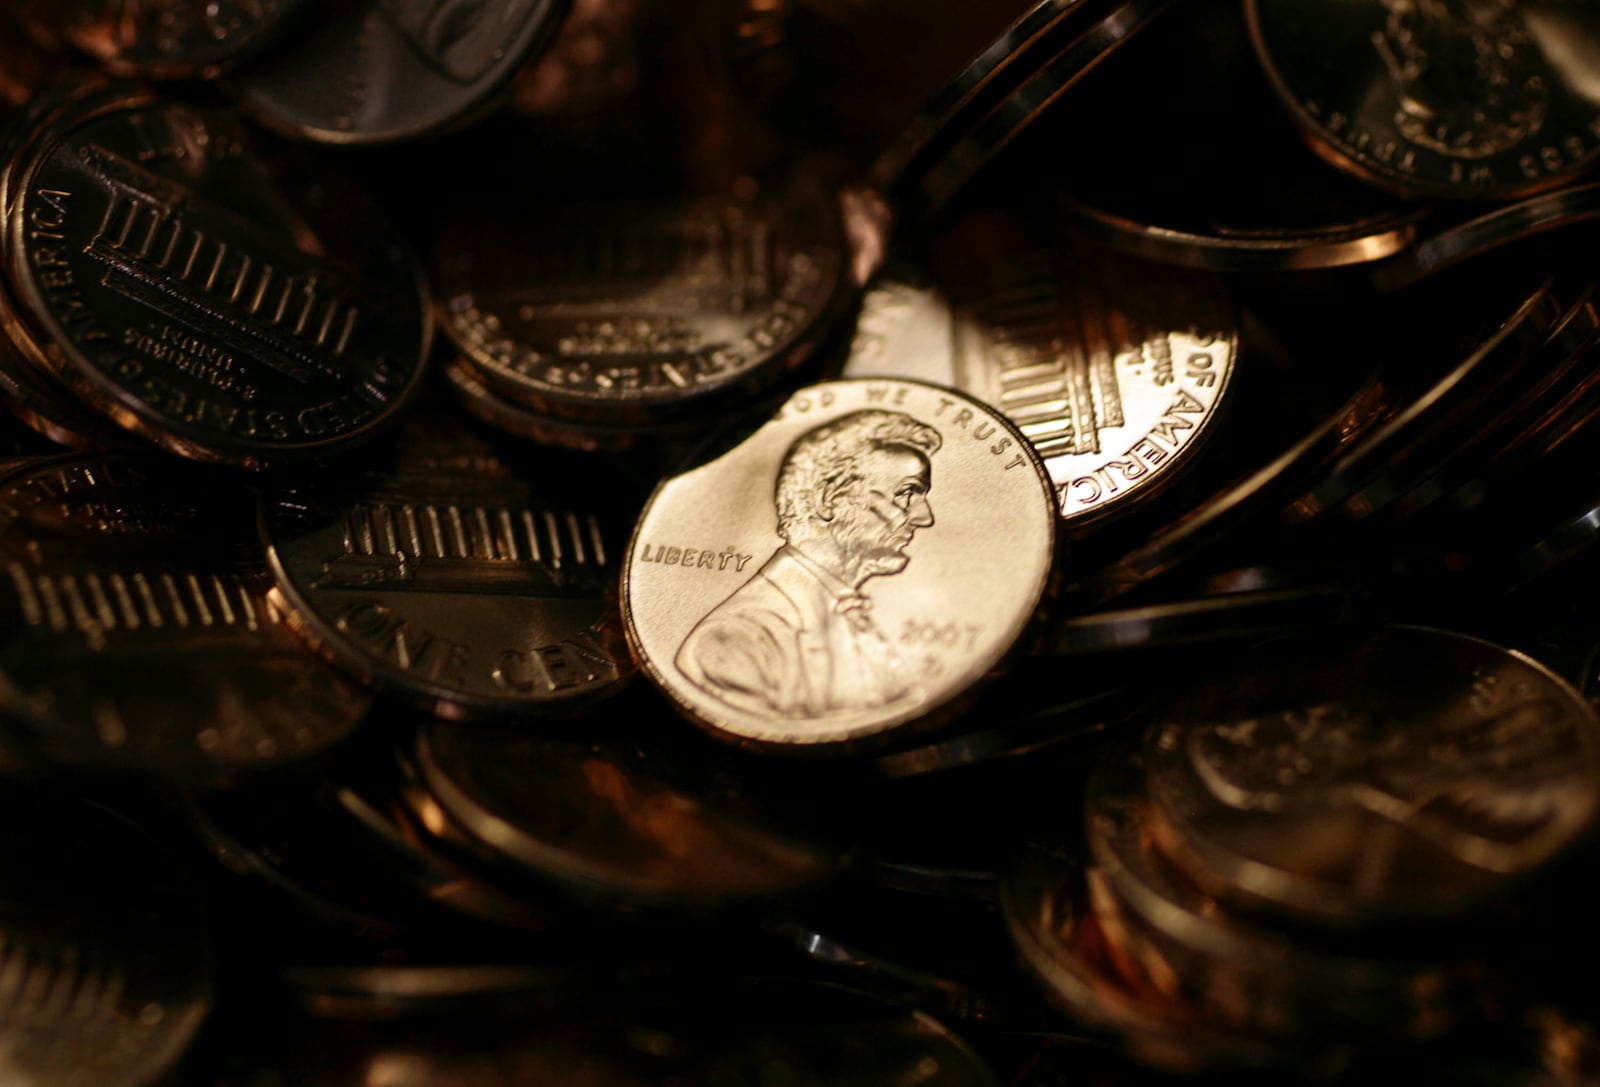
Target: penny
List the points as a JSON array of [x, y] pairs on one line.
[[222, 303], [1085, 972], [1401, 773], [104, 945], [1114, 368], [458, 579], [635, 822], [1244, 976], [380, 71], [849, 563], [1437, 99], [131, 571], [172, 39], [629, 311]]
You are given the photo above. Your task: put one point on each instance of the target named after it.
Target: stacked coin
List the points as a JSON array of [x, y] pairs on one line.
[[1067, 520]]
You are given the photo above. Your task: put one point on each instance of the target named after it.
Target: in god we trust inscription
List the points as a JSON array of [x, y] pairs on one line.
[[862, 558]]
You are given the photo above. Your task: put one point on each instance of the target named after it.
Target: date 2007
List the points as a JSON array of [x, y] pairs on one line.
[[945, 635]]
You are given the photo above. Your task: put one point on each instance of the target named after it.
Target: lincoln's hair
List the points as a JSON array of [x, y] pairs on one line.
[[826, 461]]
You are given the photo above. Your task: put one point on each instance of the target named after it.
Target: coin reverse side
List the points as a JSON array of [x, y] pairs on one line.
[[216, 301], [862, 558]]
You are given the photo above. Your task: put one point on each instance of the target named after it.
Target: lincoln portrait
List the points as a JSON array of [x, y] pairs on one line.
[[798, 639]]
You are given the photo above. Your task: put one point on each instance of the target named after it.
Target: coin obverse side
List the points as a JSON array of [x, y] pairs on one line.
[[455, 583], [1401, 773], [217, 302], [862, 558], [137, 634], [1480, 101]]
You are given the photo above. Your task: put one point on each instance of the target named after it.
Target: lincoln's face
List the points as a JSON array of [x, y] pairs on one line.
[[880, 512]]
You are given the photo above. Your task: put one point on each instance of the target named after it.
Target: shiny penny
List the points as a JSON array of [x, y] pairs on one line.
[[105, 953], [1450, 98], [1114, 369], [219, 302], [378, 71], [129, 571], [860, 559], [628, 311], [1397, 774], [460, 581]]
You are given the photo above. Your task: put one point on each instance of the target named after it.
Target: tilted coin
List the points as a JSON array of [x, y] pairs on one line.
[[378, 71], [1483, 234], [1114, 369], [1241, 975], [1065, 63], [1261, 200], [130, 571], [632, 310], [214, 299], [1434, 409], [858, 561], [632, 822], [1400, 773], [105, 956], [1441, 99], [170, 38], [463, 582], [1085, 972]]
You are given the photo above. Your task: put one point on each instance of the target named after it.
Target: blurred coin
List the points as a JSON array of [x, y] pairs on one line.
[[1228, 616], [431, 993], [1085, 973], [1460, 100], [633, 310], [759, 629], [105, 955], [26, 66], [380, 71], [632, 823], [1115, 369], [215, 300], [467, 584], [1255, 198], [1397, 774], [170, 39], [131, 571], [1244, 976], [1483, 234]]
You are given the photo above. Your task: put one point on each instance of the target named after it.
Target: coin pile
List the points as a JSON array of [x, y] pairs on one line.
[[749, 542]]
